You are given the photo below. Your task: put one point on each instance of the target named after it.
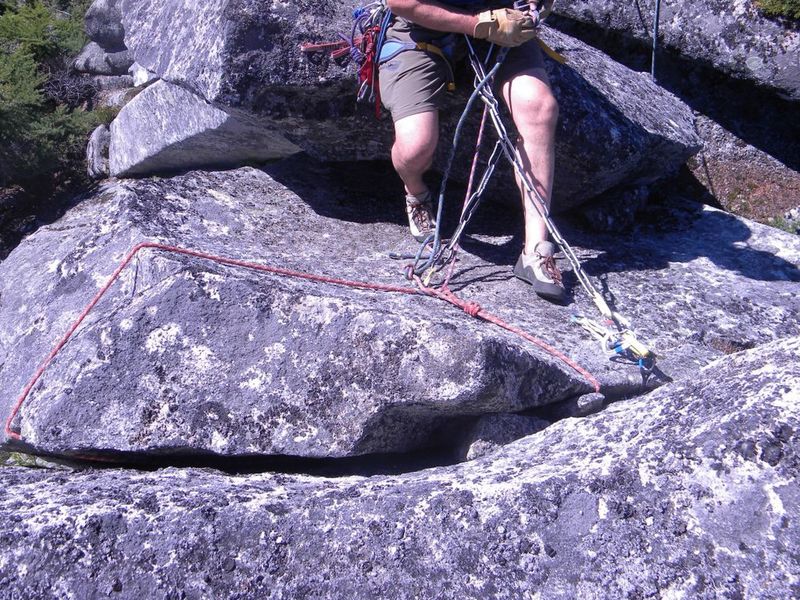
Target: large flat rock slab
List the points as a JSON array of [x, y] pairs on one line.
[[184, 354], [688, 492]]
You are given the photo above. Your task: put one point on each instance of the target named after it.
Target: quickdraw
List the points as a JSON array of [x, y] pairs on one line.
[[618, 343]]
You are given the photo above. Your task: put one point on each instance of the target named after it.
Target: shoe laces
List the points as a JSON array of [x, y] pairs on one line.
[[421, 214], [550, 268]]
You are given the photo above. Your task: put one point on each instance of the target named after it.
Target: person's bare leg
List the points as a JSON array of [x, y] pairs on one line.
[[535, 112], [415, 142]]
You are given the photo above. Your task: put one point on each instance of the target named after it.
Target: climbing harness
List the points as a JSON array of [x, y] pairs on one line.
[[435, 256], [369, 31], [368, 47], [363, 47]]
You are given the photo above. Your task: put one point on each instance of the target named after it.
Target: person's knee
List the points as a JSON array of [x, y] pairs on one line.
[[547, 108], [532, 103], [415, 142], [541, 110], [414, 153]]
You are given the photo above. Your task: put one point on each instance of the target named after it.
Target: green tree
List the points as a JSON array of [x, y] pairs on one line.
[[781, 8], [41, 139]]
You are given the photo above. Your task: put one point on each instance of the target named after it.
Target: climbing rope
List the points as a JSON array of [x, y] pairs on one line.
[[472, 309], [656, 20]]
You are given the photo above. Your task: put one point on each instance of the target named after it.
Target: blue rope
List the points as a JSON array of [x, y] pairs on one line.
[[437, 243]]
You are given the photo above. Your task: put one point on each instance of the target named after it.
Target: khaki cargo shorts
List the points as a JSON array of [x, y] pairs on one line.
[[415, 81]]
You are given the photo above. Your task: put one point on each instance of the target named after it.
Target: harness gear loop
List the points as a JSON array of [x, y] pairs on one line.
[[392, 48]]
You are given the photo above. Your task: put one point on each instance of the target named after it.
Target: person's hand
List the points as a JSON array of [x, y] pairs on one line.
[[505, 27]]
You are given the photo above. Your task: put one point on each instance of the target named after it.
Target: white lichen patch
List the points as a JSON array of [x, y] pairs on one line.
[[318, 311], [162, 338], [275, 352], [218, 441], [741, 8], [224, 198], [448, 390], [365, 322], [215, 228], [202, 359], [309, 434], [210, 283], [431, 342], [775, 502], [99, 279], [126, 324], [787, 398], [105, 337], [257, 381], [602, 508], [182, 202]]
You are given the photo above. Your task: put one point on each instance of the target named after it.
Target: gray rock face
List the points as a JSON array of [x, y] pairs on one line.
[[103, 24], [495, 431], [96, 61], [97, 153], [166, 128], [92, 60], [141, 76], [734, 37], [112, 82], [691, 491], [186, 355], [631, 133], [119, 62], [243, 57]]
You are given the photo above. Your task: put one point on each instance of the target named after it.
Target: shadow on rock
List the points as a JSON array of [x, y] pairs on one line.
[[680, 233], [354, 191]]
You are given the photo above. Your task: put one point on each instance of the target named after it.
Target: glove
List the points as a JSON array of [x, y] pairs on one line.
[[504, 27]]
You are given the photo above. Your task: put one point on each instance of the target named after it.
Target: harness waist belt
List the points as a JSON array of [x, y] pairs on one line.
[[392, 48]]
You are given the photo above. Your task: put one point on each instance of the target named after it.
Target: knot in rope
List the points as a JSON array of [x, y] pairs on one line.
[[472, 308]]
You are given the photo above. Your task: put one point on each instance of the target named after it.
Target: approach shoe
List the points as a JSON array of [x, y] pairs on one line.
[[420, 216], [542, 273]]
